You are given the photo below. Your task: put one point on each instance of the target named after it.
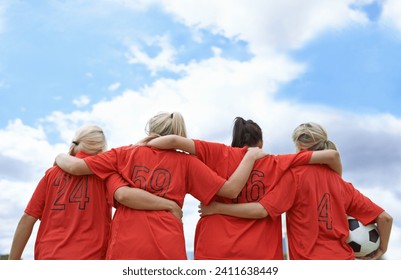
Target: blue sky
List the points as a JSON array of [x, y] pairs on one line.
[[51, 55], [354, 69], [279, 62]]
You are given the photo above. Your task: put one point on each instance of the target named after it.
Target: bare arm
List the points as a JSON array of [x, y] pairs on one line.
[[72, 165], [173, 142], [253, 210], [329, 157], [233, 186], [142, 200], [384, 224], [238, 179], [21, 236]]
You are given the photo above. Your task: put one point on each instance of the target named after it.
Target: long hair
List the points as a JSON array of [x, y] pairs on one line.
[[246, 133]]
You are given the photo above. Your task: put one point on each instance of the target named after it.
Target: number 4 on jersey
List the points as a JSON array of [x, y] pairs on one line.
[[79, 194], [324, 211]]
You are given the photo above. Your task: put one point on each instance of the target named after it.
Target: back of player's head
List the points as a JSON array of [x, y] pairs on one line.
[[167, 123], [246, 133], [90, 139], [313, 137]]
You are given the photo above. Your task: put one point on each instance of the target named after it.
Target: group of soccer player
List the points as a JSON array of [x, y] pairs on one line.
[[242, 190]]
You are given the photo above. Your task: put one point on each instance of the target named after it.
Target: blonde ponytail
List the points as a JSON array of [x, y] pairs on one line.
[[313, 137], [165, 124], [89, 139]]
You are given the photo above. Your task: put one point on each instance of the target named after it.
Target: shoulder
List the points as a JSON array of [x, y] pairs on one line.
[[52, 170], [82, 154], [161, 153], [125, 148], [217, 147], [312, 168], [320, 172]]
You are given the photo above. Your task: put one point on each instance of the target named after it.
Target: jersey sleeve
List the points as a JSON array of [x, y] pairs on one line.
[[282, 197], [104, 164], [209, 151], [281, 163], [293, 160], [219, 157], [203, 183], [113, 183], [359, 206], [37, 202]]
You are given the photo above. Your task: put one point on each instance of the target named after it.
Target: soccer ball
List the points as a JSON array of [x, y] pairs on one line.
[[362, 239]]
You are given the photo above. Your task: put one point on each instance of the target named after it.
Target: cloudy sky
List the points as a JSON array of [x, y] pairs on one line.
[[116, 63]]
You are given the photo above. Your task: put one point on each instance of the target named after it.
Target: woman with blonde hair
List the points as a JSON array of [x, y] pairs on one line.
[[316, 201], [312, 137], [138, 234], [73, 211]]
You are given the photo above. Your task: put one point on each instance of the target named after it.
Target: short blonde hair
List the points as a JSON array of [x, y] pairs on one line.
[[90, 139], [313, 137], [165, 124]]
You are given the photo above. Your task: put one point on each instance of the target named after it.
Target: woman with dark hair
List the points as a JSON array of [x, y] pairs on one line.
[[246, 133]]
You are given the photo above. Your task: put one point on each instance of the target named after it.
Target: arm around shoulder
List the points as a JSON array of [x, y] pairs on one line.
[[173, 142], [72, 165], [329, 157]]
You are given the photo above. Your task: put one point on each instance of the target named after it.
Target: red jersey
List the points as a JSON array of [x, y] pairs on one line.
[[74, 216], [138, 234], [226, 237], [316, 201]]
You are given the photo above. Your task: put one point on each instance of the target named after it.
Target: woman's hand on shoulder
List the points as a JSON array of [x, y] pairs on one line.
[[255, 153]]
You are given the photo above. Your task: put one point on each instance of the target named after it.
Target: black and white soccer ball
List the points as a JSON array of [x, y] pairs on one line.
[[362, 239]]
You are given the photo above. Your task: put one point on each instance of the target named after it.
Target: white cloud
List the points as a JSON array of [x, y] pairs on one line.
[[13, 200], [267, 25], [81, 101], [391, 14], [26, 143], [114, 87], [210, 95], [164, 60]]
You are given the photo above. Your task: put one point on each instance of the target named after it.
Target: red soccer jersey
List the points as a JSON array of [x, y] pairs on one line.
[[74, 216], [316, 201], [157, 235], [225, 237]]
